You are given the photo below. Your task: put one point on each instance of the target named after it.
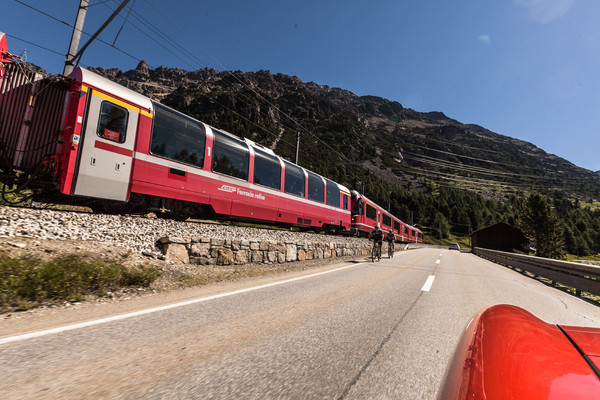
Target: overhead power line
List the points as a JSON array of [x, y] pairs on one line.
[[298, 125], [34, 44], [71, 26]]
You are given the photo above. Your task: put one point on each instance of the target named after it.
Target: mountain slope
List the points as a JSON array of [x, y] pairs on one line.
[[341, 132]]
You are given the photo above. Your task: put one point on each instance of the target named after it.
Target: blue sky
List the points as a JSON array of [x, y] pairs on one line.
[[528, 69]]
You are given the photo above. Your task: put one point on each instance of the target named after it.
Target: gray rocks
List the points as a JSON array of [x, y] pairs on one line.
[[204, 243]]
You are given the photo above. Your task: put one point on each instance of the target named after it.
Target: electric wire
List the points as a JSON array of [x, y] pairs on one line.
[[34, 44], [84, 32], [122, 26], [301, 127], [460, 180], [496, 173], [192, 57]]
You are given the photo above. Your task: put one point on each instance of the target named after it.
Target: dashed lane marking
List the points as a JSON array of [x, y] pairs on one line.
[[428, 283]]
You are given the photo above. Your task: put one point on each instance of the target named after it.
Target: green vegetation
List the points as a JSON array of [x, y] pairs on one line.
[[31, 282], [463, 241], [540, 222]]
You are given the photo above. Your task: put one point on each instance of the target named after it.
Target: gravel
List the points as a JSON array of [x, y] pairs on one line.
[[136, 233]]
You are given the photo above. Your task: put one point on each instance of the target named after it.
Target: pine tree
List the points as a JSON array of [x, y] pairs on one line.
[[541, 225]]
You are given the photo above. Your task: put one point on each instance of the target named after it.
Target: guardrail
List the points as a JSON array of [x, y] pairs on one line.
[[583, 277]]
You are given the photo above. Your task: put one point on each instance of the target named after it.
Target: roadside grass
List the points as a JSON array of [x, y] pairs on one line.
[[222, 274], [463, 241], [27, 282], [574, 258]]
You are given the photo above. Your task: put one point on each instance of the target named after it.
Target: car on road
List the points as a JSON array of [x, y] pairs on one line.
[[506, 352], [454, 246]]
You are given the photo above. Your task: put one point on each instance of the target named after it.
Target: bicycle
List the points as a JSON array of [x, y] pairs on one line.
[[390, 250], [375, 253]]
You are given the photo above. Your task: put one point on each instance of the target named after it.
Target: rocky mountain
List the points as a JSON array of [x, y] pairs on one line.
[[344, 135]]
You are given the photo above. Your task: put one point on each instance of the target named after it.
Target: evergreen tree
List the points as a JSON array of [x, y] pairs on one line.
[[541, 225]]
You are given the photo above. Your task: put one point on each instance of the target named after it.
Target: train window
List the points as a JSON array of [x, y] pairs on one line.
[[371, 212], [294, 179], [333, 194], [397, 226], [316, 189], [177, 137], [386, 220], [112, 124], [230, 156], [345, 202], [267, 170], [406, 231]]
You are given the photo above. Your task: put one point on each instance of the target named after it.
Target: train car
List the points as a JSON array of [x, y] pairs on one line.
[[117, 150], [413, 235], [89, 141], [366, 214]]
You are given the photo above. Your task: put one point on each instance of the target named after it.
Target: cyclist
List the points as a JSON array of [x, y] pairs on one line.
[[390, 238], [377, 237]]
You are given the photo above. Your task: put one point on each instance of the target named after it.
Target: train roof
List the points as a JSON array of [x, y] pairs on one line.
[[94, 80]]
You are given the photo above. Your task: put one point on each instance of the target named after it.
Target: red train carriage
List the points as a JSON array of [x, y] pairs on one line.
[[120, 151], [366, 214], [87, 140]]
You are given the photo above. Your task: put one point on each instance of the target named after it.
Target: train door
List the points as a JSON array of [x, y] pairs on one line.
[[106, 148]]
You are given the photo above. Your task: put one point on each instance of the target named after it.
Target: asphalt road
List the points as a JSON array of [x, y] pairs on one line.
[[356, 331]]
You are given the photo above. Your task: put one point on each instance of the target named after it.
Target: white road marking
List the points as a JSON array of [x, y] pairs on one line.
[[428, 283], [438, 261], [65, 328]]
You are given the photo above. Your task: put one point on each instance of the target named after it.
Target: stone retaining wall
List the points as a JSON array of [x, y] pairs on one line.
[[206, 251]]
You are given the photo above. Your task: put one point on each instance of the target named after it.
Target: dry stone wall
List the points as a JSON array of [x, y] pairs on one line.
[[207, 251]]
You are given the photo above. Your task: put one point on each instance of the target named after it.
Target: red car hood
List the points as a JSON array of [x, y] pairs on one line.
[[587, 340], [508, 353]]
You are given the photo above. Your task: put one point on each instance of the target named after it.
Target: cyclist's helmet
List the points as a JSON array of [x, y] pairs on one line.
[[390, 231]]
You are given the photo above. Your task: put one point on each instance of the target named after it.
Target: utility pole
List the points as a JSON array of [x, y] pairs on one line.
[[83, 6], [75, 37], [297, 145], [470, 244]]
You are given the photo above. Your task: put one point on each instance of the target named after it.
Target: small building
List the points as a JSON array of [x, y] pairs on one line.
[[500, 236]]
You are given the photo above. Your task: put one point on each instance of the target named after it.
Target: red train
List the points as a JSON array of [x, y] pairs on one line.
[[87, 140], [366, 214]]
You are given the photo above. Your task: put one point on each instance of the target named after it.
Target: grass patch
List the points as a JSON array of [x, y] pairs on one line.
[[224, 273], [574, 258], [30, 282], [463, 241]]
